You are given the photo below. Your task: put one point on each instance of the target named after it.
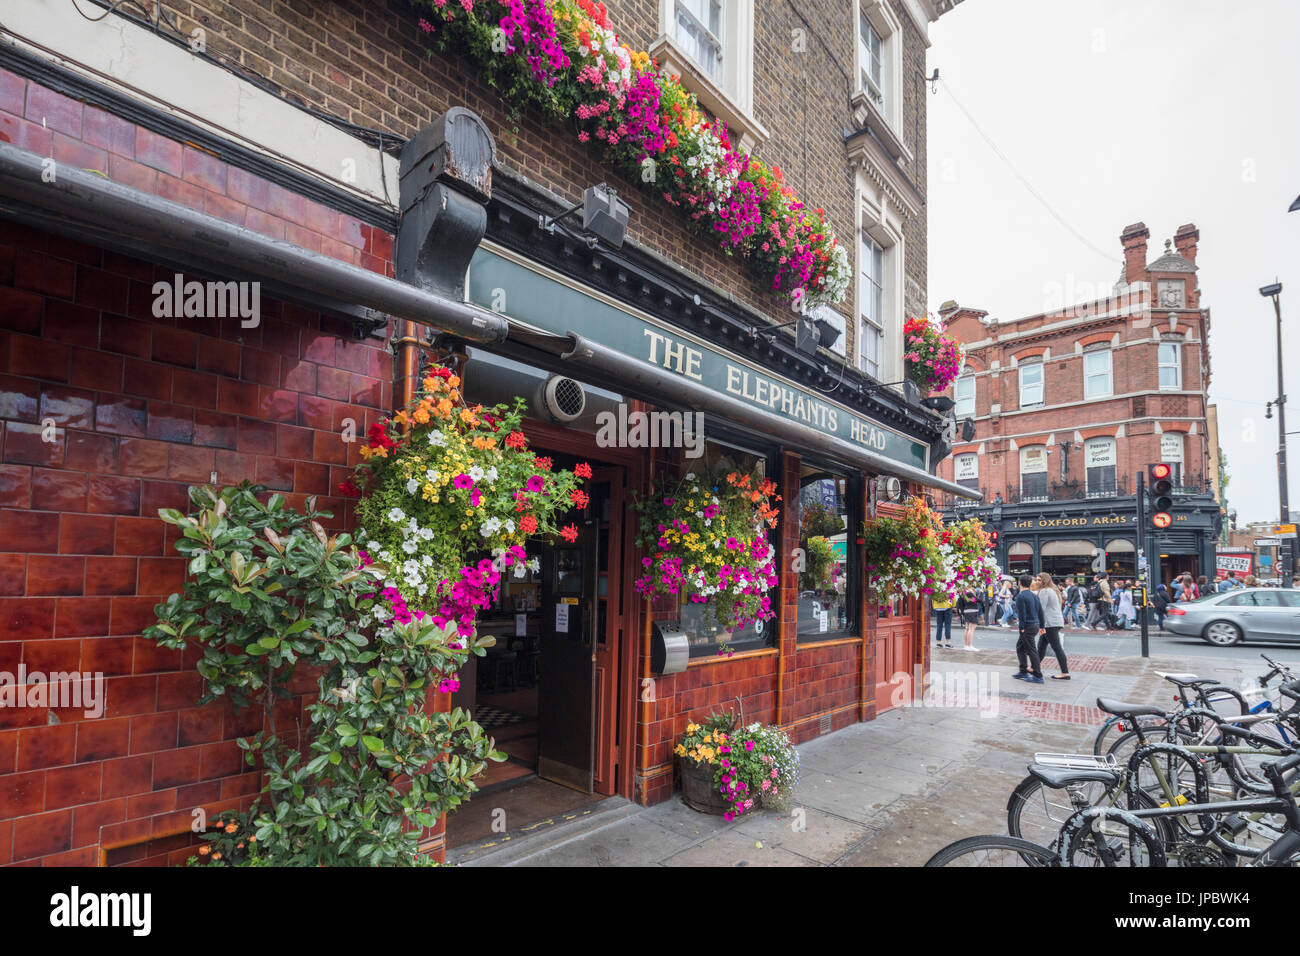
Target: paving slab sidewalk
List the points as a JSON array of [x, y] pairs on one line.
[[892, 791]]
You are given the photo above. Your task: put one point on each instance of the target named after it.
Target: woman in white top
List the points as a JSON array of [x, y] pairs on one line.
[[1126, 609], [1052, 600]]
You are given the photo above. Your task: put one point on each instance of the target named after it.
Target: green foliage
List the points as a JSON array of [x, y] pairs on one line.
[[818, 558], [270, 591]]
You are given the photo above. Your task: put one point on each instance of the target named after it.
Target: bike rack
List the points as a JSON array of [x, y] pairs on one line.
[[1078, 761]]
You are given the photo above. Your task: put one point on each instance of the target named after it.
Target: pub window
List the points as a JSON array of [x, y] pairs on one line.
[[1020, 559], [704, 635], [827, 585], [1031, 383], [966, 471], [1171, 453], [871, 306], [1033, 473], [1120, 558], [1097, 380], [965, 393], [699, 30], [1067, 558], [1171, 364], [1099, 457]]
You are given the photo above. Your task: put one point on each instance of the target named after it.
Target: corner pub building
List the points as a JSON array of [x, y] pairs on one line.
[[391, 224]]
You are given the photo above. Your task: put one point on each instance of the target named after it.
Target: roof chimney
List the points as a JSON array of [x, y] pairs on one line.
[[1134, 239], [1185, 242]]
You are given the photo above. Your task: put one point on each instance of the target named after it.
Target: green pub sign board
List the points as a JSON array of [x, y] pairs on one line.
[[526, 295]]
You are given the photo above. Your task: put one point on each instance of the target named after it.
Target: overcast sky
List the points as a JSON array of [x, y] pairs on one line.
[[1119, 111]]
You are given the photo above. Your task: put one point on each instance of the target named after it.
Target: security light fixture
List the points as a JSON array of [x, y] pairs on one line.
[[968, 430], [604, 216], [1271, 290], [938, 403], [911, 391]]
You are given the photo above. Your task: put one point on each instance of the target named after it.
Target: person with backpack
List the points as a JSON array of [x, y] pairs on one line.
[[1230, 583], [1098, 598], [1030, 613], [1073, 602], [1203, 585], [1188, 591], [1160, 603]]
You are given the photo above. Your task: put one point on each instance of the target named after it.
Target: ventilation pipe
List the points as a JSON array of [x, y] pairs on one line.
[[550, 397]]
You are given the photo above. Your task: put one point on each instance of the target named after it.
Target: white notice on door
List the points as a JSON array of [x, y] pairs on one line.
[[561, 619], [521, 625], [824, 620]]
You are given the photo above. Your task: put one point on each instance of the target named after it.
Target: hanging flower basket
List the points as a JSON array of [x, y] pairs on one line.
[[932, 358], [903, 554], [708, 544]]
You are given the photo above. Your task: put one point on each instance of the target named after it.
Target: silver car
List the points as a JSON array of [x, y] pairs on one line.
[[1243, 614]]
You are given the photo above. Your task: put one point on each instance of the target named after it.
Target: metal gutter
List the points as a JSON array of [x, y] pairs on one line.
[[681, 392], [84, 197]]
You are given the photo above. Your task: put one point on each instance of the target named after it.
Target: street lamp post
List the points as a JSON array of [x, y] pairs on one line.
[[1274, 292]]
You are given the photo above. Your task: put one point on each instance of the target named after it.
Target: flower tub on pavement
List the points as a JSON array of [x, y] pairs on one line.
[[730, 769]]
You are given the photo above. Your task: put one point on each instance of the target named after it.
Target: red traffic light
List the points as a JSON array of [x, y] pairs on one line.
[[1161, 471], [1161, 519], [993, 536]]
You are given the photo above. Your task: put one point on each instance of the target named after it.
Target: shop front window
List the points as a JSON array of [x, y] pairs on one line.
[[1121, 559], [1063, 559], [694, 620], [1020, 558], [828, 583]]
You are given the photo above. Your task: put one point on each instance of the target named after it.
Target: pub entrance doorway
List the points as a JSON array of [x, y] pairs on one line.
[[548, 690]]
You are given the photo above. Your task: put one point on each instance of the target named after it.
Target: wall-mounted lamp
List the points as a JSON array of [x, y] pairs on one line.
[[604, 215]]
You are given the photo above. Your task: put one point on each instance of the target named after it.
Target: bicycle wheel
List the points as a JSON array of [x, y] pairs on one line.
[[1226, 700], [994, 851], [1037, 812], [1111, 838]]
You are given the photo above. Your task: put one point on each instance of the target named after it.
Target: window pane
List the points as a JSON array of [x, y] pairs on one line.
[[1031, 384], [869, 53], [965, 395], [699, 29], [1096, 370], [828, 583]]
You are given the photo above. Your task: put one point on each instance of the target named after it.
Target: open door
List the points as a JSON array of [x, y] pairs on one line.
[[578, 657]]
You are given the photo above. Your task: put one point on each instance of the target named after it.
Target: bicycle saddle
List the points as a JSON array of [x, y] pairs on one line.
[[1121, 709], [1057, 777], [1186, 680]]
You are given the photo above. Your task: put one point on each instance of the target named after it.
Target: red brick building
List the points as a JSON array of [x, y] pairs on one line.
[[277, 143], [1070, 405]]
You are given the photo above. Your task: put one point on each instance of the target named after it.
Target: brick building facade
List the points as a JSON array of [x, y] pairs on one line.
[[286, 120], [1070, 405]]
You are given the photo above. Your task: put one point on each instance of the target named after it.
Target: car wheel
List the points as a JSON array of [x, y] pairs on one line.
[[1223, 634]]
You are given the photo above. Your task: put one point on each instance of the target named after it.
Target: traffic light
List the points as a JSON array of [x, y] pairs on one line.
[[1160, 494], [993, 537]]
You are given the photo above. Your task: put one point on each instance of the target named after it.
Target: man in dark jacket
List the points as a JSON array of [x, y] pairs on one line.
[[1030, 613]]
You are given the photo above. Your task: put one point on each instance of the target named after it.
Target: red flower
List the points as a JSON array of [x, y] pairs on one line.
[[542, 464], [516, 440], [579, 498], [582, 470], [527, 524], [349, 488], [569, 533]]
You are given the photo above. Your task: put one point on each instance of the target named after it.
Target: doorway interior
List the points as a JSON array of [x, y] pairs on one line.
[[547, 690]]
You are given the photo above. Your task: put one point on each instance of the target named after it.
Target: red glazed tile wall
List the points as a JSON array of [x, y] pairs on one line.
[[140, 408]]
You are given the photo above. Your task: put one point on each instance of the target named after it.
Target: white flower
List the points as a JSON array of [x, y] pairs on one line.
[[491, 475], [475, 474], [534, 565], [412, 485], [437, 439], [397, 515], [691, 476], [431, 475], [410, 546], [425, 534], [509, 525], [519, 570], [489, 527]]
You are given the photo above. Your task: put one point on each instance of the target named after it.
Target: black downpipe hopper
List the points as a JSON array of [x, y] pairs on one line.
[[445, 185]]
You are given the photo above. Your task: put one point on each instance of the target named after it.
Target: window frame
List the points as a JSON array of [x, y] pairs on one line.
[[1177, 364], [854, 585], [1041, 384], [1088, 376], [1023, 474], [718, 39], [962, 409], [870, 249], [1108, 489]]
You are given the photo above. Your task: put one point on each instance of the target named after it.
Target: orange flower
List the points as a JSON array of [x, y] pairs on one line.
[[444, 408], [453, 381], [216, 856], [421, 415], [232, 827], [431, 384], [468, 417], [402, 417], [204, 850]]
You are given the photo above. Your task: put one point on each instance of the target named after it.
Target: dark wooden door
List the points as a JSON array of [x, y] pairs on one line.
[[607, 514]]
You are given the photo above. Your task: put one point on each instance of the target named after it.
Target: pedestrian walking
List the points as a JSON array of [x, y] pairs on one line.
[[1030, 614], [1188, 590], [942, 605], [1051, 599], [968, 606], [1230, 583], [1073, 602], [1160, 602], [1098, 598], [1203, 586], [1127, 612]]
